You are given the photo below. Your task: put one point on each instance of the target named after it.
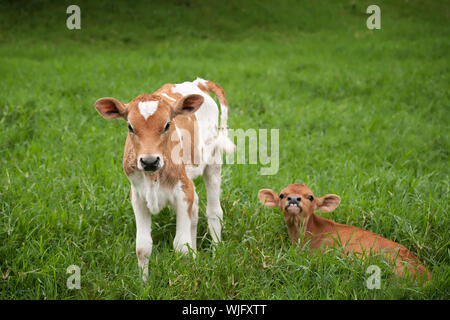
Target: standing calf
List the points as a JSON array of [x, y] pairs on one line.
[[173, 137], [298, 204]]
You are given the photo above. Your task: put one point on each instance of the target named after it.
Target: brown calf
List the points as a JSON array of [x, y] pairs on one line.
[[173, 137], [298, 204]]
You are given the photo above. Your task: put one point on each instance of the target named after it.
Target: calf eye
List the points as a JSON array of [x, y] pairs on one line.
[[281, 196], [167, 126], [310, 198], [130, 128]]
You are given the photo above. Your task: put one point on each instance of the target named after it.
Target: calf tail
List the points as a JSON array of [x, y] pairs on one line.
[[223, 142]]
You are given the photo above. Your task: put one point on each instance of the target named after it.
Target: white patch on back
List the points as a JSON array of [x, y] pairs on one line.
[[207, 118], [201, 81], [186, 88], [147, 108]]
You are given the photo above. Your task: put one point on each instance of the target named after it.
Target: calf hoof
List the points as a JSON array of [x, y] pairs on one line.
[[182, 245]]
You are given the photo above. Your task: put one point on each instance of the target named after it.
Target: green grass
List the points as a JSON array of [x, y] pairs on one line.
[[363, 114]]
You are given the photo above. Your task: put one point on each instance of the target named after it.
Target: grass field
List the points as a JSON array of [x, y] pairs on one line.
[[361, 113]]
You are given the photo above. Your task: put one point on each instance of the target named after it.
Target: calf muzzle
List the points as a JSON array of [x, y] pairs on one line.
[[150, 163]]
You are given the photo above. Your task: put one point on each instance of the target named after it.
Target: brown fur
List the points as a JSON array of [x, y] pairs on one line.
[[323, 233], [149, 138], [189, 131], [218, 91]]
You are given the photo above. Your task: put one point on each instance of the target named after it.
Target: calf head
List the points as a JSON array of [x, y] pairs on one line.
[[149, 119], [298, 203]]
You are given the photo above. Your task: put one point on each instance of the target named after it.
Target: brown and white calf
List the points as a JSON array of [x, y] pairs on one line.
[[298, 204], [173, 137]]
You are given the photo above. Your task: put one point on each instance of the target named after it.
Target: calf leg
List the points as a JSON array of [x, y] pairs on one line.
[[184, 208], [213, 210], [144, 240], [194, 222]]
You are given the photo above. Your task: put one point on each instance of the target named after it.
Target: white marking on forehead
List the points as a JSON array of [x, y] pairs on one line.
[[147, 108], [165, 95]]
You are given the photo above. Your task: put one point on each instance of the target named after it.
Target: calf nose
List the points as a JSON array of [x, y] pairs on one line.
[[294, 199], [150, 163]]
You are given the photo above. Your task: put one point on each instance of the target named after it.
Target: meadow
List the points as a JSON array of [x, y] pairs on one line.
[[361, 113]]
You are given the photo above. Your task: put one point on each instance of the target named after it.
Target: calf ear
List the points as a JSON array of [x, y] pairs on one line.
[[269, 198], [188, 104], [328, 202], [110, 108]]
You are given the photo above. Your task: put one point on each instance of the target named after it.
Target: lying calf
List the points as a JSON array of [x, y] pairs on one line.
[[298, 204]]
